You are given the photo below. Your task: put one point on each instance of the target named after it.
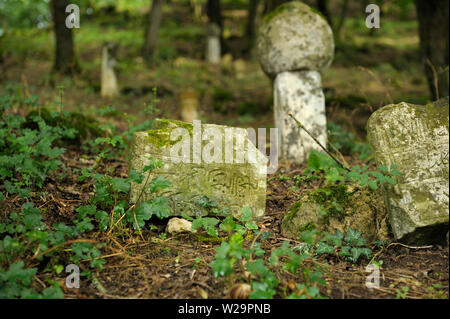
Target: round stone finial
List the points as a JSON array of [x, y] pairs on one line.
[[294, 37]]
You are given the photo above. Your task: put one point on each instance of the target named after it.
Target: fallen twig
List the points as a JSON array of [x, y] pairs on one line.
[[318, 143]]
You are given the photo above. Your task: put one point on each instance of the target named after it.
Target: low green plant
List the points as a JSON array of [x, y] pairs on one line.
[[27, 155], [15, 282], [402, 293], [29, 151], [346, 142], [437, 291], [110, 206], [319, 162], [25, 234], [350, 246], [238, 259]]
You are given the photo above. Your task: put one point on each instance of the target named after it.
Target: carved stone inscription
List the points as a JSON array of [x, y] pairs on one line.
[[416, 139], [230, 185]]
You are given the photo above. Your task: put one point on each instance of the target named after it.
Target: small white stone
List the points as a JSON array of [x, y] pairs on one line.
[[178, 225]]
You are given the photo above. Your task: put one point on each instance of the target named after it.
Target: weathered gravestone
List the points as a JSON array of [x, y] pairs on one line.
[[415, 137], [109, 86], [294, 45], [200, 160]]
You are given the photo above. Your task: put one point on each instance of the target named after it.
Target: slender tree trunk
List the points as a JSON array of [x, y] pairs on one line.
[[214, 12], [250, 28], [65, 61], [151, 32], [322, 6], [433, 31], [342, 18]]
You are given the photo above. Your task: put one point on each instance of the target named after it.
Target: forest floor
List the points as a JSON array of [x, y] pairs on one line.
[[368, 72], [159, 265]]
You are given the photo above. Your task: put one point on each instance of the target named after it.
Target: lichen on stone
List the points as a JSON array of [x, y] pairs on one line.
[[363, 210], [415, 138]]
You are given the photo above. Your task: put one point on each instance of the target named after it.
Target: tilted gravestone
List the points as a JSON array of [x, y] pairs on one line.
[[294, 44], [200, 160], [415, 137]]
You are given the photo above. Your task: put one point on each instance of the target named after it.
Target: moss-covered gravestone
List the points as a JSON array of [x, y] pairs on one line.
[[415, 137], [202, 161]]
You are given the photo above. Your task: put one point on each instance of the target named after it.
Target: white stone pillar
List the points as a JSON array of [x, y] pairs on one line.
[[213, 49], [294, 45], [300, 94]]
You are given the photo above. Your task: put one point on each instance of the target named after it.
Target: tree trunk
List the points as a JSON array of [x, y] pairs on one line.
[[342, 18], [65, 61], [322, 6], [433, 32], [151, 32], [250, 28], [270, 5], [214, 12]]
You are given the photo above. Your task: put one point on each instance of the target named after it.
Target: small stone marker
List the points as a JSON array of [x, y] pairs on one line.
[[294, 45], [189, 100], [109, 86], [415, 137], [200, 160], [213, 49]]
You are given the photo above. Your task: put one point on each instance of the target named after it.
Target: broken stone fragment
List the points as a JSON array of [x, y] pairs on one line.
[[178, 225], [415, 138], [202, 161], [363, 210]]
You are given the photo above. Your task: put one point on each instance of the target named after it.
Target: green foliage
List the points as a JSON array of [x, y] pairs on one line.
[[27, 155], [331, 199], [347, 143], [17, 14], [319, 162], [16, 280], [79, 125], [234, 257], [350, 246], [111, 195], [402, 292], [24, 233]]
